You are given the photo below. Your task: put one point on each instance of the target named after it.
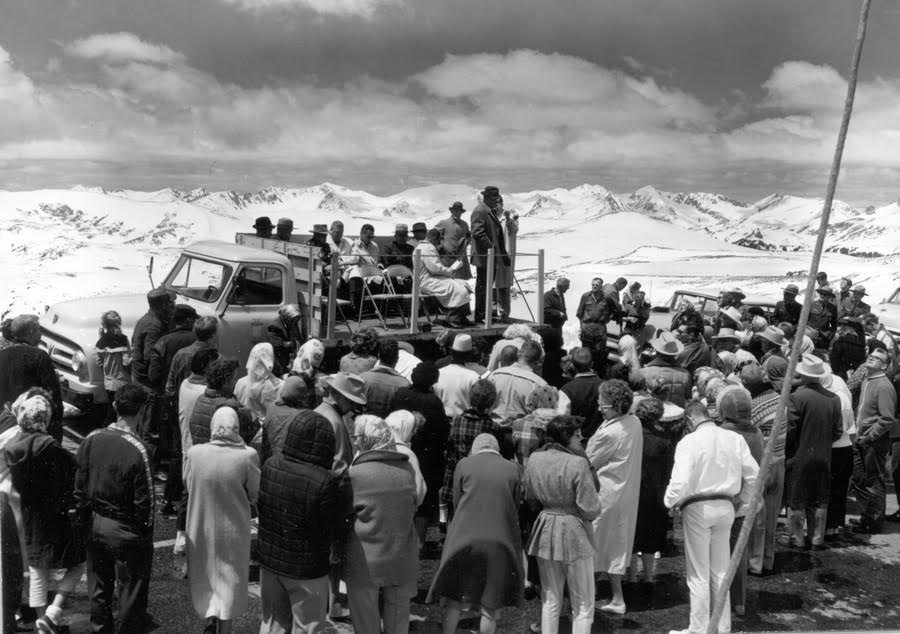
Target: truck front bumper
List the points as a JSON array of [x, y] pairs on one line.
[[82, 395]]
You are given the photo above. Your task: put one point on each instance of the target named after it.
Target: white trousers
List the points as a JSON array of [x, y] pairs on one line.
[[707, 526], [580, 576]]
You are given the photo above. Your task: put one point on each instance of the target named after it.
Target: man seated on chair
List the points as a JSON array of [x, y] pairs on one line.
[[436, 280], [399, 252], [363, 264]]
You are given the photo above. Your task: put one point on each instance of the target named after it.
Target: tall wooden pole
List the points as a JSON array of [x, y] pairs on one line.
[[781, 414]]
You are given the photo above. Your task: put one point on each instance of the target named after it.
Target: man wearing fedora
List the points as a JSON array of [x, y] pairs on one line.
[[284, 229], [455, 240], [854, 306], [345, 395], [771, 343], [419, 231], [814, 423], [875, 421], [263, 227], [487, 233], [788, 309], [399, 251], [664, 370], [823, 317]]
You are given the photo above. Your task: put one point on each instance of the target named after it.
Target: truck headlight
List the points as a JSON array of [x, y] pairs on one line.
[[79, 363]]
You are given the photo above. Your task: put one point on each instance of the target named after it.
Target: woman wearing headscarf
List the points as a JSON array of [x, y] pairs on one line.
[[380, 556], [429, 442], [615, 453], [260, 388], [43, 473], [481, 565], [402, 424], [222, 479], [306, 367], [560, 484]]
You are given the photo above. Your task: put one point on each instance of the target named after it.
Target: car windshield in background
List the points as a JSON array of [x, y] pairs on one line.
[[198, 279]]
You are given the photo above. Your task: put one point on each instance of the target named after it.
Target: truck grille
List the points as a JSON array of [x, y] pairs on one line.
[[60, 350]]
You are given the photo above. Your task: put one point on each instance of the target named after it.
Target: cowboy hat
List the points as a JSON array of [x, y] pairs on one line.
[[811, 366], [825, 290], [726, 333], [791, 289], [736, 292], [351, 386], [457, 206], [859, 289], [667, 344], [734, 314], [773, 335]]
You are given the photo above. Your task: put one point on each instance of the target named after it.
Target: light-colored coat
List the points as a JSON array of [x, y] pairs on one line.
[[222, 481], [437, 280], [615, 452]]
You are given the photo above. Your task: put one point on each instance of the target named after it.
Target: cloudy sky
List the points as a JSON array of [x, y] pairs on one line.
[[733, 96]]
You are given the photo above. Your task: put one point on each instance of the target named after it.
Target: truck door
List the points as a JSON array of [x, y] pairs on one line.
[[257, 290]]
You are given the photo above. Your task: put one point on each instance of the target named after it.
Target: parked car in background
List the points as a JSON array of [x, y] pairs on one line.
[[707, 304]]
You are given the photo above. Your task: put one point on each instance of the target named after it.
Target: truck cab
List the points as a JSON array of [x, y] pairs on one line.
[[242, 286], [888, 312]]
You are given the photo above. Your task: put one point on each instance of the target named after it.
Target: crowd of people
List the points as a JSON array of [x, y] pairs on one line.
[[525, 467]]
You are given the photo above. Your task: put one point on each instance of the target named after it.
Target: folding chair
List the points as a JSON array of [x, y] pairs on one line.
[[340, 304], [390, 293]]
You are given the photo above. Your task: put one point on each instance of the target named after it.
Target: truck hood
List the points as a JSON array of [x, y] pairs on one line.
[[79, 319]]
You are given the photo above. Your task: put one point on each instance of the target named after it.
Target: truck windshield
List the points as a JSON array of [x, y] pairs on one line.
[[199, 279]]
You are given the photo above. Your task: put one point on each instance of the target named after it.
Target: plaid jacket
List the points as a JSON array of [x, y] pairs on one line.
[[463, 431]]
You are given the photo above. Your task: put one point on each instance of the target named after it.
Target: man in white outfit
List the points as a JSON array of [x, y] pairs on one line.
[[711, 478]]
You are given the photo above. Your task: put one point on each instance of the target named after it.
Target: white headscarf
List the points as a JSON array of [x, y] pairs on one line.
[[260, 387], [225, 426], [309, 358], [33, 413], [402, 424]]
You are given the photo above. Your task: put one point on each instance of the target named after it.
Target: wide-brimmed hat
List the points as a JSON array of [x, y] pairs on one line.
[[320, 229], [351, 386], [825, 290], [401, 227], [667, 344], [734, 314], [773, 335], [859, 289], [419, 226], [811, 366], [736, 292], [286, 222], [457, 206], [727, 333], [263, 222], [462, 343], [791, 289]]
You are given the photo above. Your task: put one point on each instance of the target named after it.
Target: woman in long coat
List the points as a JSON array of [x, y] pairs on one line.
[[223, 482], [656, 468], [380, 559], [615, 452], [436, 279], [481, 565], [43, 474]]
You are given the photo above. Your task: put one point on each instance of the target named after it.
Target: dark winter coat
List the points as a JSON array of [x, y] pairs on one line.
[[278, 421], [114, 480], [44, 474], [23, 367], [487, 233], [180, 367], [303, 506], [847, 353], [430, 441], [206, 406], [147, 332], [555, 314], [814, 423], [582, 391], [163, 352], [397, 253], [676, 381], [595, 310], [789, 312]]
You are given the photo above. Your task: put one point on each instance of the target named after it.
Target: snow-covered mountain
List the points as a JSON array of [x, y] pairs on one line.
[[57, 244]]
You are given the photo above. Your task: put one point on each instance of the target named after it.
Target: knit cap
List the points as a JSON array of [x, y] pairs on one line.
[[734, 404]]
